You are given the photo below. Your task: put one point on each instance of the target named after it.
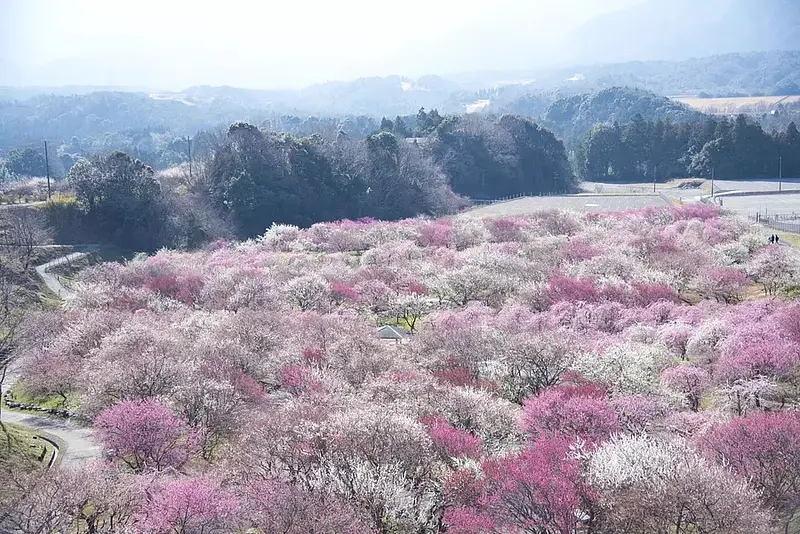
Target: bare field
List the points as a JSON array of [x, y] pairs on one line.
[[583, 203], [736, 104]]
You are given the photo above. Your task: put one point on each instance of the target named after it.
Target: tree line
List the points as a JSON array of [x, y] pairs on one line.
[[658, 150], [245, 179]]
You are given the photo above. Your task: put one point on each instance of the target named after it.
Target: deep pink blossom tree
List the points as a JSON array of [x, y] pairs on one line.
[[145, 435], [562, 288], [537, 490], [452, 442]]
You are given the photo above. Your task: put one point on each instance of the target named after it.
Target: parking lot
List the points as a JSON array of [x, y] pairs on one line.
[[583, 203], [754, 185], [769, 204]]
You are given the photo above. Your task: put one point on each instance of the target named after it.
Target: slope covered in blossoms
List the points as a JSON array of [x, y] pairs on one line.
[[560, 373]]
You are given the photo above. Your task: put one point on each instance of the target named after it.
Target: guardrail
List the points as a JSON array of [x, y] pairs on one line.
[[485, 202], [778, 221]]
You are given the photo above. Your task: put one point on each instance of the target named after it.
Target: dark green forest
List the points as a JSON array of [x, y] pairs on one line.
[[247, 178], [658, 150]]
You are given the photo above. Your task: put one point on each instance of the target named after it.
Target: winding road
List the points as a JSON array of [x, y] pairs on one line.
[[76, 443]]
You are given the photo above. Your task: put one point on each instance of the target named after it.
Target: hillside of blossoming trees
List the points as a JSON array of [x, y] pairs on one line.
[[616, 373]]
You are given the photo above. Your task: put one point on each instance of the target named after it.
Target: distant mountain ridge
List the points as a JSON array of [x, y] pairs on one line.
[[682, 29], [758, 73]]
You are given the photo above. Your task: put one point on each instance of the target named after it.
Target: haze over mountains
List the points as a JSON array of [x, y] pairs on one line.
[[114, 47], [681, 29]]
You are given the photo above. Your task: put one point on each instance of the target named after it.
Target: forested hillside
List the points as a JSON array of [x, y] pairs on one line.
[[656, 150], [573, 116], [245, 179]]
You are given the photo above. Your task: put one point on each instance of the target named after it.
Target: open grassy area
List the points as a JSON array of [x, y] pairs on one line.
[[22, 454], [736, 104], [18, 393]]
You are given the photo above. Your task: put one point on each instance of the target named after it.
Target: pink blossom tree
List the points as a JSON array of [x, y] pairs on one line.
[[188, 506], [274, 506], [574, 411], [452, 442], [688, 380], [145, 435], [764, 448], [724, 284], [773, 267], [537, 490]]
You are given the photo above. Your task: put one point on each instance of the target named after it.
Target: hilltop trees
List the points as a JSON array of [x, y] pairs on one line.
[[261, 178], [26, 162], [121, 198], [656, 150], [487, 158]]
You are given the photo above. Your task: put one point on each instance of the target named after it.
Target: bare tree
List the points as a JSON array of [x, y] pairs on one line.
[[24, 230], [10, 318]]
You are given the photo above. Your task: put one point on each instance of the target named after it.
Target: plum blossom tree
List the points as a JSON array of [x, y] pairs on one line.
[[539, 490], [639, 413], [452, 442], [309, 292], [93, 498], [271, 506], [648, 485], [764, 448], [573, 411], [692, 382], [535, 361], [145, 434], [627, 368], [773, 267], [410, 308], [724, 284], [187, 506]]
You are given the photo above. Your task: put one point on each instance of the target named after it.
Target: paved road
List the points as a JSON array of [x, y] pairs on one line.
[[779, 204], [52, 281], [79, 445]]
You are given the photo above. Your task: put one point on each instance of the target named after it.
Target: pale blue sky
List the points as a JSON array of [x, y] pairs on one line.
[[176, 43]]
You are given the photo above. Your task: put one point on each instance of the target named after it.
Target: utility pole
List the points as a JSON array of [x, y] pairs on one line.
[[712, 182], [47, 169], [189, 145], [654, 179], [780, 173]]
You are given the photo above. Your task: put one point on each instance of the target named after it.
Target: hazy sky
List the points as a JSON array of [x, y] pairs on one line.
[[176, 43]]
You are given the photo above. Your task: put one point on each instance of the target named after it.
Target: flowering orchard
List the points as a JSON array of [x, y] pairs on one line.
[[633, 372]]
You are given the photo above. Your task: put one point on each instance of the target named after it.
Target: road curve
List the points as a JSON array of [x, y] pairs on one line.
[[79, 445], [52, 281], [78, 440]]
